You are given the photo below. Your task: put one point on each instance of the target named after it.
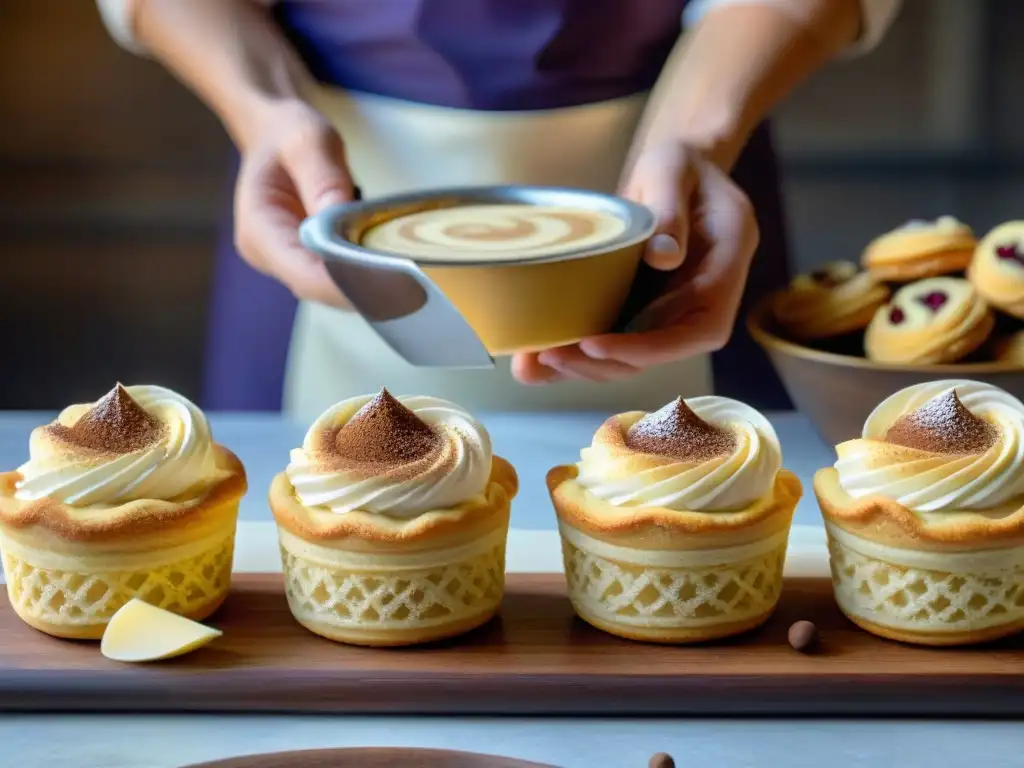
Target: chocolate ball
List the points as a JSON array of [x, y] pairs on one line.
[[803, 636], [661, 760]]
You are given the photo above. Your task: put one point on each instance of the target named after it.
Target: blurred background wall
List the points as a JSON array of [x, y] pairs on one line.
[[106, 163]]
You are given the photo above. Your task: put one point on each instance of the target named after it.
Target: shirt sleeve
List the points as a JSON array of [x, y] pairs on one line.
[[118, 17], [876, 17]]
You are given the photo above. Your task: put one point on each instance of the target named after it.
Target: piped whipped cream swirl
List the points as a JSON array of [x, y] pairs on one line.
[[494, 232], [939, 446], [141, 442], [395, 456], [705, 453]]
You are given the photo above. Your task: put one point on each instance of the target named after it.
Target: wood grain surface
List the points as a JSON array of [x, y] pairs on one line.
[[374, 757], [536, 658]]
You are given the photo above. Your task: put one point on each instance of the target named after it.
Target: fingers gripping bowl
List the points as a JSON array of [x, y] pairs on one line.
[[526, 267], [127, 497], [392, 518], [674, 524]]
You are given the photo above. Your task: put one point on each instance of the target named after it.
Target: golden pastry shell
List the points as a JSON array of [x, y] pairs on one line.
[[368, 531], [662, 528], [134, 525], [884, 521]]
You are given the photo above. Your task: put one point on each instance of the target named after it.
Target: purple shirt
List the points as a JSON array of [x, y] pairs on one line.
[[486, 54]]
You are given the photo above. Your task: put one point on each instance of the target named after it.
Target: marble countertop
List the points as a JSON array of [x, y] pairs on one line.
[[533, 443]]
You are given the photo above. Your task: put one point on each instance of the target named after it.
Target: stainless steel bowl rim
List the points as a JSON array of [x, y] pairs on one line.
[[640, 221]]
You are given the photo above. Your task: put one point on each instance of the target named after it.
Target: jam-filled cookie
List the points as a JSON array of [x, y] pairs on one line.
[[938, 320], [920, 249], [835, 299], [997, 269]]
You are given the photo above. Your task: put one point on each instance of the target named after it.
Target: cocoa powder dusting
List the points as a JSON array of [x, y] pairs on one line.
[[114, 424], [677, 432], [943, 425], [383, 432]]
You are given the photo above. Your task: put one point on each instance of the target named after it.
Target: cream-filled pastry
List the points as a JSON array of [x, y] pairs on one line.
[[997, 269], [925, 516], [674, 524], [127, 497], [939, 320], [920, 249], [835, 299], [392, 518]]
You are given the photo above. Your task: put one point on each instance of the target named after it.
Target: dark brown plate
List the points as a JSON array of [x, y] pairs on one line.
[[371, 757]]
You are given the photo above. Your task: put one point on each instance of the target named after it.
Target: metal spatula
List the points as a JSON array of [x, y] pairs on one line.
[[393, 294]]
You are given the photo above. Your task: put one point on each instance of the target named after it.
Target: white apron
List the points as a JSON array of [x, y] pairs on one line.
[[397, 146]]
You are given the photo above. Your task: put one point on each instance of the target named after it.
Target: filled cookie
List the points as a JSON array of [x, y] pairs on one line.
[[835, 299], [997, 269], [938, 320], [920, 249]]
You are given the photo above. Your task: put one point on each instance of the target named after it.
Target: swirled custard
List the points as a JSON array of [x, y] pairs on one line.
[[494, 232]]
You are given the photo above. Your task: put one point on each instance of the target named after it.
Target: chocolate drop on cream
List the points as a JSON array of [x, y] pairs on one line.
[[942, 425], [114, 424], [385, 432], [677, 432]]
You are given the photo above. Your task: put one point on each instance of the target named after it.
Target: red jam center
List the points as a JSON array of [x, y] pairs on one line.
[[896, 316], [934, 300], [1010, 253]]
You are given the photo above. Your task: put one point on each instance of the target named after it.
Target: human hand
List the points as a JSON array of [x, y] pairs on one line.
[[706, 236], [293, 166]]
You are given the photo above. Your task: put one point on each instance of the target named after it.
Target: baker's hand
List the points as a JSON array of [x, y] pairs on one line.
[[293, 167], [706, 236]]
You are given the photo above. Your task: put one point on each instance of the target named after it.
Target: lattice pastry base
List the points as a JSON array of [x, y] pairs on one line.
[[924, 597], [673, 596], [393, 600], [75, 597]]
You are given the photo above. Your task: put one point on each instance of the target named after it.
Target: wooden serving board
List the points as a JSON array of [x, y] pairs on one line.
[[536, 658]]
